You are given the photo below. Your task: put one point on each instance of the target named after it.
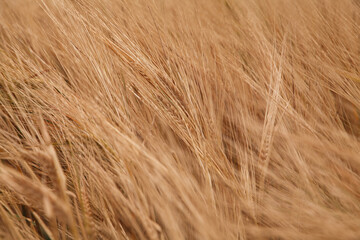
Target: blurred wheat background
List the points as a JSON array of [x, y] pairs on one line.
[[167, 119]]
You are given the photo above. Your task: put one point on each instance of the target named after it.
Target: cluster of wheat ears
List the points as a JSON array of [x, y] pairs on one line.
[[168, 119]]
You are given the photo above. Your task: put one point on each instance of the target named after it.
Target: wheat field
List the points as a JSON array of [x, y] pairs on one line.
[[168, 119]]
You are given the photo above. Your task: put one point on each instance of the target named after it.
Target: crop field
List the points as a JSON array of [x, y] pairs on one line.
[[179, 119]]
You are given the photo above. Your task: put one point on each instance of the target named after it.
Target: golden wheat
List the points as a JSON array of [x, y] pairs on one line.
[[206, 119]]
